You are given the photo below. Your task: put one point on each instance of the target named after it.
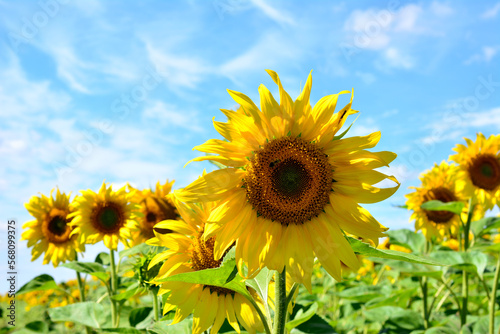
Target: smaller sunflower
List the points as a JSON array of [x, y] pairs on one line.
[[189, 251], [106, 215], [50, 232], [440, 183], [156, 206], [479, 163]]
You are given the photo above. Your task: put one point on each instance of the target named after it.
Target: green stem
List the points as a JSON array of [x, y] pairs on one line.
[[114, 313], [436, 295], [81, 287], [280, 303], [494, 297], [154, 294], [262, 317], [289, 298], [379, 275], [455, 297], [465, 276], [423, 286]]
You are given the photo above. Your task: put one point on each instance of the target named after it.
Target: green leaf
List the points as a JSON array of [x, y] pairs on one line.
[[39, 283], [362, 248], [91, 268], [183, 327], [102, 258], [131, 291], [407, 238], [261, 283], [138, 315], [123, 330], [141, 248], [87, 313], [38, 326], [302, 316], [414, 269], [364, 293], [216, 277], [435, 205], [481, 326], [472, 261], [314, 324], [482, 226], [441, 330]]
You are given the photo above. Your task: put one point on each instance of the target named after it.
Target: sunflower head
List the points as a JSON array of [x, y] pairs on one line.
[[107, 215], [479, 163], [155, 206], [292, 185], [50, 232], [188, 251], [440, 183]]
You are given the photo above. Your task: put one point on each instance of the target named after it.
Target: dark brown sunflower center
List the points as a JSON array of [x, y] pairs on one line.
[[108, 217], [484, 171], [289, 180], [55, 227], [444, 195], [151, 217], [203, 258], [155, 210]]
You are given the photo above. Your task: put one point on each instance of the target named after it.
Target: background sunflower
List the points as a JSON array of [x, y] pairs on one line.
[[155, 207], [479, 163], [50, 231], [107, 215], [189, 251], [441, 183]]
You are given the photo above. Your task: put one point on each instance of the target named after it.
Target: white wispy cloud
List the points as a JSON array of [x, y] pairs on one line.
[[486, 55], [278, 15], [22, 97], [171, 117], [492, 12]]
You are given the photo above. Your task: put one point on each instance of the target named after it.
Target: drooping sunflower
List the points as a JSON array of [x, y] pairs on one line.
[[50, 231], [479, 163], [443, 184], [292, 184], [107, 215], [156, 206], [188, 251]]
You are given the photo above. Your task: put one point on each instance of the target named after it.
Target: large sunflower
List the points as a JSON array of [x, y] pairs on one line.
[[479, 163], [50, 231], [188, 251], [156, 206], [291, 186], [443, 184], [107, 215]]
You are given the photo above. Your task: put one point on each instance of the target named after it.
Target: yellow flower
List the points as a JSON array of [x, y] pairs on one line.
[[480, 168], [367, 268], [107, 215], [440, 183], [50, 231], [385, 244], [188, 251], [155, 206], [291, 186]]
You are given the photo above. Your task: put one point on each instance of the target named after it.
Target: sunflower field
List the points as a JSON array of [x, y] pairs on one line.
[[275, 239]]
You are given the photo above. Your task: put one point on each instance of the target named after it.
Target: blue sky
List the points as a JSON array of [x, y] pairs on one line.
[[94, 90]]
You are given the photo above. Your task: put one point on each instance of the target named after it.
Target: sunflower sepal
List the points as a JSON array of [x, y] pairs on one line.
[[455, 207], [340, 136]]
